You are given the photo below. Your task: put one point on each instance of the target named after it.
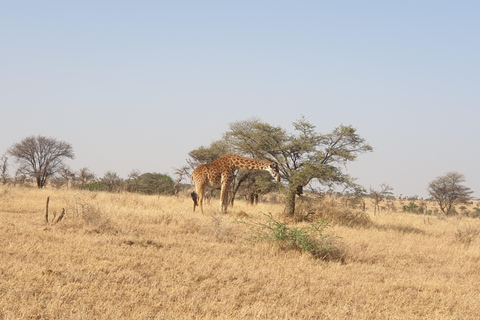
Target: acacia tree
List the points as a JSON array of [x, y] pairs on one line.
[[303, 156], [84, 176], [181, 173], [66, 175], [41, 157], [448, 191], [379, 195], [155, 183], [111, 181]]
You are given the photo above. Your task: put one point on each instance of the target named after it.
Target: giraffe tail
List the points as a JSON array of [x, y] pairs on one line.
[[194, 195], [194, 198]]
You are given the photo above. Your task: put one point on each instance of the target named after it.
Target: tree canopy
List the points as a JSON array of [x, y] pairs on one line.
[[41, 157], [448, 190], [303, 155], [151, 183]]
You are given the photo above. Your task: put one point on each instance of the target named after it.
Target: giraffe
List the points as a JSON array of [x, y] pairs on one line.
[[220, 173]]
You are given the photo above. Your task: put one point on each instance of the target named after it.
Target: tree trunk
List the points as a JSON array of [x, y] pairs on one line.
[[235, 187], [290, 202], [252, 198], [46, 209]]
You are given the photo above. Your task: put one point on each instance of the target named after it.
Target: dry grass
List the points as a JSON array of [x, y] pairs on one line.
[[126, 256]]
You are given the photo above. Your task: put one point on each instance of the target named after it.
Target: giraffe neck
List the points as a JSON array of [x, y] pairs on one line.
[[247, 163]]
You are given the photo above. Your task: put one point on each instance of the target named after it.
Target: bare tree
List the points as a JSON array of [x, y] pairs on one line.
[[66, 175], [379, 196], [134, 174], [355, 198], [180, 173], [111, 181], [84, 175], [448, 191], [41, 157], [19, 177], [57, 182], [4, 169]]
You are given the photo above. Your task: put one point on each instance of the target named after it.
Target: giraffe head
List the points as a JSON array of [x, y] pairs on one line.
[[272, 168]]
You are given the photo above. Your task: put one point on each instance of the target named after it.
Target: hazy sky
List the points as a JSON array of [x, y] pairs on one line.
[[139, 84]]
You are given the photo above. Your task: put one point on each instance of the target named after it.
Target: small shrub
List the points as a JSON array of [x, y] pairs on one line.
[[219, 230], [466, 235], [411, 207], [310, 239], [94, 186], [90, 216], [475, 213]]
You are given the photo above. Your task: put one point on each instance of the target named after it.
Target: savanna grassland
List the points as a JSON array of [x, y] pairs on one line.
[[130, 256]]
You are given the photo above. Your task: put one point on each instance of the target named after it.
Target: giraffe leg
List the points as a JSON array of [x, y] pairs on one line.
[[223, 209], [200, 192], [224, 198]]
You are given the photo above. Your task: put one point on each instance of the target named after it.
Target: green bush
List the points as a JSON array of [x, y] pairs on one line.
[[310, 239], [411, 207], [152, 183], [94, 186]]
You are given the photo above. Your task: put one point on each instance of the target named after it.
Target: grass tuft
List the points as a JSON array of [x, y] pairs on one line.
[[466, 235]]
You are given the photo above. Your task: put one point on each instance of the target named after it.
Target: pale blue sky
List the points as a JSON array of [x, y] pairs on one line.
[[137, 85]]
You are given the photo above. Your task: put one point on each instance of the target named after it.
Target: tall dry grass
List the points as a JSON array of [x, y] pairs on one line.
[[128, 256]]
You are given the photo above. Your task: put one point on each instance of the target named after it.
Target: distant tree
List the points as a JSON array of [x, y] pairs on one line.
[[448, 190], [132, 180], [4, 169], [41, 157], [303, 156], [111, 182], [380, 195], [181, 173], [155, 183], [20, 177], [57, 182], [84, 176], [355, 198], [66, 175]]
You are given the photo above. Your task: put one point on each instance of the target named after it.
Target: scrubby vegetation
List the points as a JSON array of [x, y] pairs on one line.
[[311, 238], [134, 256]]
